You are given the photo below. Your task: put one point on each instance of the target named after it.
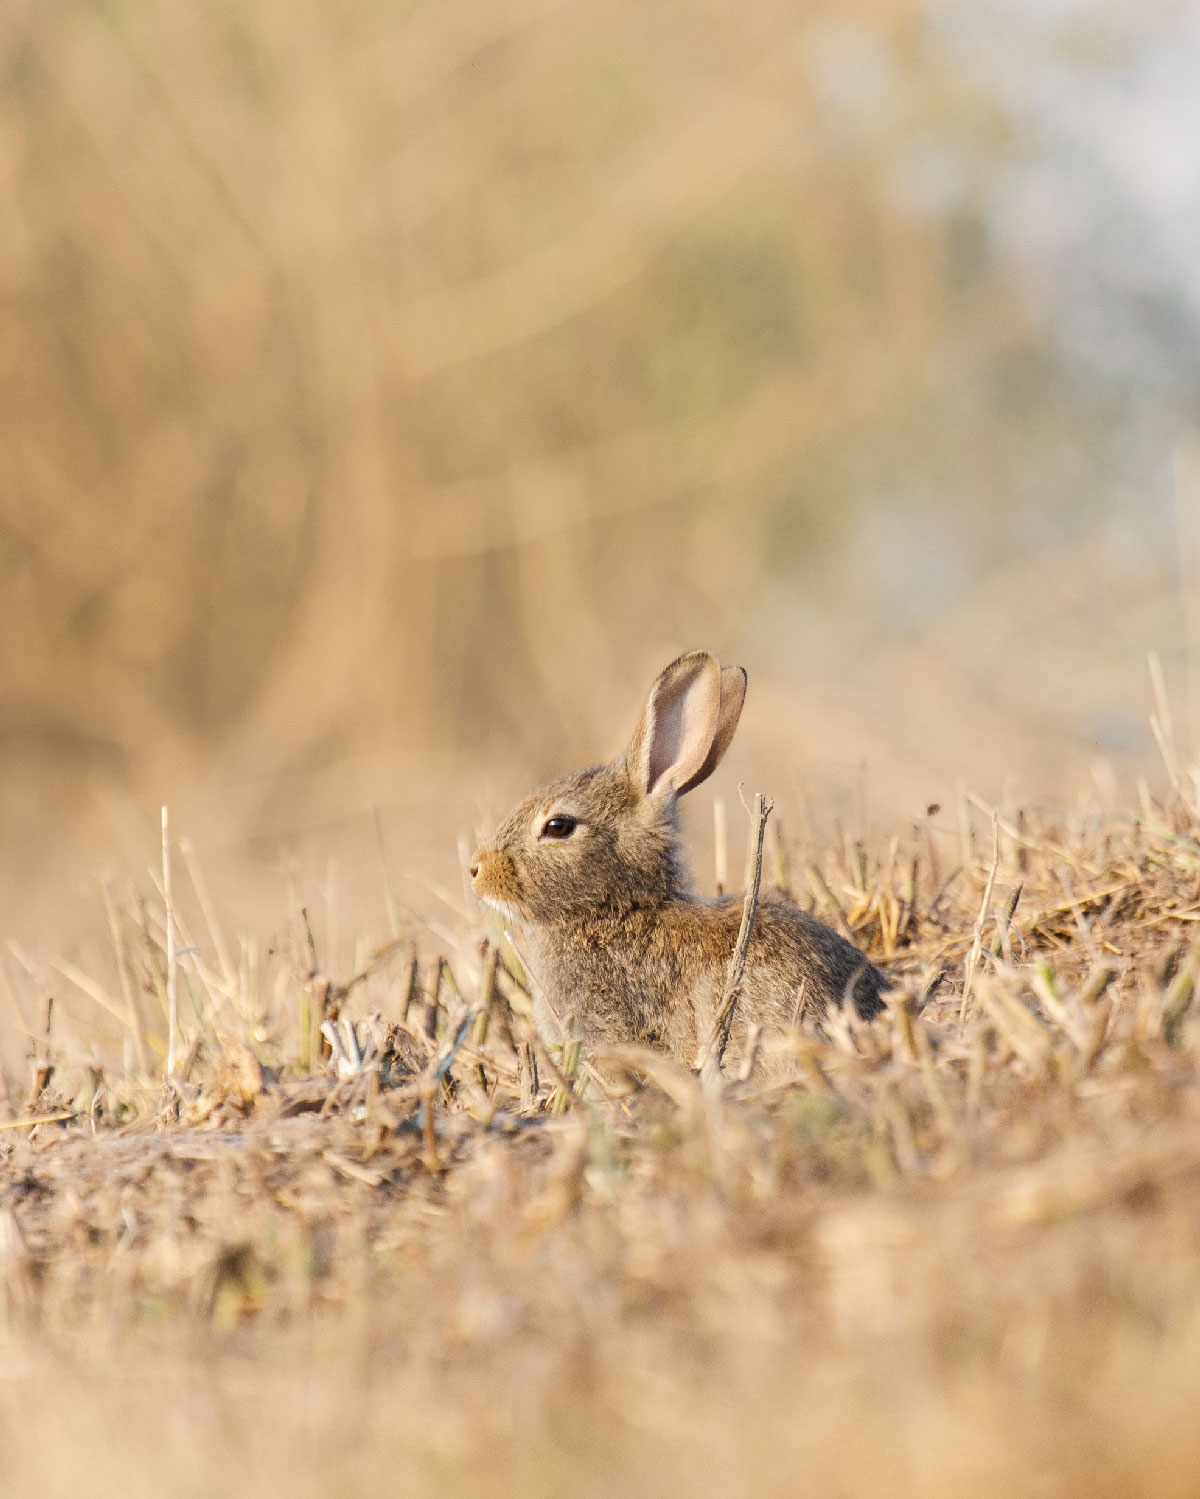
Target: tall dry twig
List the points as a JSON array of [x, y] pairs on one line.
[[984, 906], [708, 1064]]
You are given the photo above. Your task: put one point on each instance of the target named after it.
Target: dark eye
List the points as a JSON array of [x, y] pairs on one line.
[[559, 827]]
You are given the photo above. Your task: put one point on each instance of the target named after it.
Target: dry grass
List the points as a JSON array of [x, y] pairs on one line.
[[957, 1246]]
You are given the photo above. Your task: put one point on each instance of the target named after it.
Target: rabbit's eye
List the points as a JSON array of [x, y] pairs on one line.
[[558, 827]]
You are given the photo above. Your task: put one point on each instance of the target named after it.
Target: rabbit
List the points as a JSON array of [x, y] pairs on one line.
[[590, 870]]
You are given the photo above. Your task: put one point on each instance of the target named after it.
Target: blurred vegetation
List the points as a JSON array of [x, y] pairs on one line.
[[417, 374]]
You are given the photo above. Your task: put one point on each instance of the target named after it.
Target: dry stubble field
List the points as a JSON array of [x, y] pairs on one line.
[[958, 1247]]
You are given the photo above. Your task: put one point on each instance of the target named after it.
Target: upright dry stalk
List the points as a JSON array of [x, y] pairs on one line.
[[411, 988], [1178, 999], [720, 846], [984, 906], [1162, 725], [708, 1064], [753, 1044], [209, 911], [172, 958], [1006, 919], [526, 1022]]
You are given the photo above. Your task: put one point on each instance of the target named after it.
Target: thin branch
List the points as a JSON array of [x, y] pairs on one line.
[[708, 1064]]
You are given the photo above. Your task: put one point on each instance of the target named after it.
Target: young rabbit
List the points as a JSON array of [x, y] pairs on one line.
[[590, 871]]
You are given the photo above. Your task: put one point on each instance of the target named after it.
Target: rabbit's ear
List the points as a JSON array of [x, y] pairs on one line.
[[733, 695], [674, 738]]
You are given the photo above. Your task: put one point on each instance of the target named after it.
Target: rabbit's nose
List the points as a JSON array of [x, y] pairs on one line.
[[475, 870]]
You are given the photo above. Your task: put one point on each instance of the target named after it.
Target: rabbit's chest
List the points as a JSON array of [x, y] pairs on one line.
[[609, 985]]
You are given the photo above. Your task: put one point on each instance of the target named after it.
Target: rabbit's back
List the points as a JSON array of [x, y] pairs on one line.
[[656, 977]]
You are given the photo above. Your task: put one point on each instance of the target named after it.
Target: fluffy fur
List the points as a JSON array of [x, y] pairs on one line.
[[621, 947]]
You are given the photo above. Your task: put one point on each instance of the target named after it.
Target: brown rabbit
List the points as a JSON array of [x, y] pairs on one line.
[[590, 870]]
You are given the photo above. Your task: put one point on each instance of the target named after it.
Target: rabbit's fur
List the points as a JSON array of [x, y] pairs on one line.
[[620, 948]]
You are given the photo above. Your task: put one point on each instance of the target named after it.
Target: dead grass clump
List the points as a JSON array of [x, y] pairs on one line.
[[374, 1224]]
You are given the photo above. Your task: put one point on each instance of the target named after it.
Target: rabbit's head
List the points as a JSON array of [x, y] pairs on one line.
[[605, 840]]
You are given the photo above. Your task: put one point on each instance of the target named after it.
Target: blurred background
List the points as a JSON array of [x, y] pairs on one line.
[[387, 391]]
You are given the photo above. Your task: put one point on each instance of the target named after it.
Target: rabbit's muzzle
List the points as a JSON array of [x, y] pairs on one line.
[[494, 879]]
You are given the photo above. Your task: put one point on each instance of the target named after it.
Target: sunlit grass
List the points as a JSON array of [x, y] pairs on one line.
[[374, 1221]]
